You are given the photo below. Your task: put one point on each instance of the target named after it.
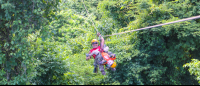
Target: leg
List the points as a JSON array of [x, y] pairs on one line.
[[95, 67], [107, 67], [113, 69], [101, 68], [98, 59]]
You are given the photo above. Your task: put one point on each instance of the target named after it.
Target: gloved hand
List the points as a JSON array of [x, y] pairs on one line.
[[113, 56], [87, 55], [98, 34], [102, 62]]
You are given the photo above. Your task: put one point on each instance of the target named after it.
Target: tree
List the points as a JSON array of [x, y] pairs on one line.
[[194, 68], [17, 20]]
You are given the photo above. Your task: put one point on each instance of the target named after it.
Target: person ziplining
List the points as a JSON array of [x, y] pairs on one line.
[[101, 56], [100, 53]]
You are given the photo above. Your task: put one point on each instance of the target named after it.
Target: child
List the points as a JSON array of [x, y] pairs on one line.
[[109, 58]]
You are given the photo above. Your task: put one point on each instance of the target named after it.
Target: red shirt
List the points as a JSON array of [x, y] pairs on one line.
[[98, 48]]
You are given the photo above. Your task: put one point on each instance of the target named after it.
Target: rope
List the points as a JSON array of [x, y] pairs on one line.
[[89, 17], [186, 19]]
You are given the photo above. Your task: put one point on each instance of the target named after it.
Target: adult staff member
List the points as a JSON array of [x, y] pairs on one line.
[[95, 52]]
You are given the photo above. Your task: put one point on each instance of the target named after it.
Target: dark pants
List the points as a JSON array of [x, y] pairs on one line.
[[98, 59]]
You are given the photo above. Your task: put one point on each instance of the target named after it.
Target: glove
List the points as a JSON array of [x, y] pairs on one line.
[[102, 62], [113, 56], [87, 55], [98, 34]]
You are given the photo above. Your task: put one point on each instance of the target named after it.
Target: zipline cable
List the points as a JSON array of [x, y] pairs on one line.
[[92, 21], [186, 19], [88, 15]]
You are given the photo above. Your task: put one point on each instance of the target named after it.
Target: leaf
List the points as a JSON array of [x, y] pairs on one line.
[[12, 42]]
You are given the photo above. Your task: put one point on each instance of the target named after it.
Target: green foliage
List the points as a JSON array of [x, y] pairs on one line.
[[153, 56], [17, 20], [194, 68], [51, 63], [44, 42]]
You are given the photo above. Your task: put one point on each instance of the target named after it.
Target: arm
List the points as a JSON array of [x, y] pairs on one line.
[[88, 57], [101, 41], [112, 55]]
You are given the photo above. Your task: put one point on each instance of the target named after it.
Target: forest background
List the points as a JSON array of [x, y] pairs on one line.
[[44, 42]]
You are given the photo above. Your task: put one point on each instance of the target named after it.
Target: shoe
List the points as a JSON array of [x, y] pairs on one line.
[[104, 73], [95, 70], [113, 69]]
